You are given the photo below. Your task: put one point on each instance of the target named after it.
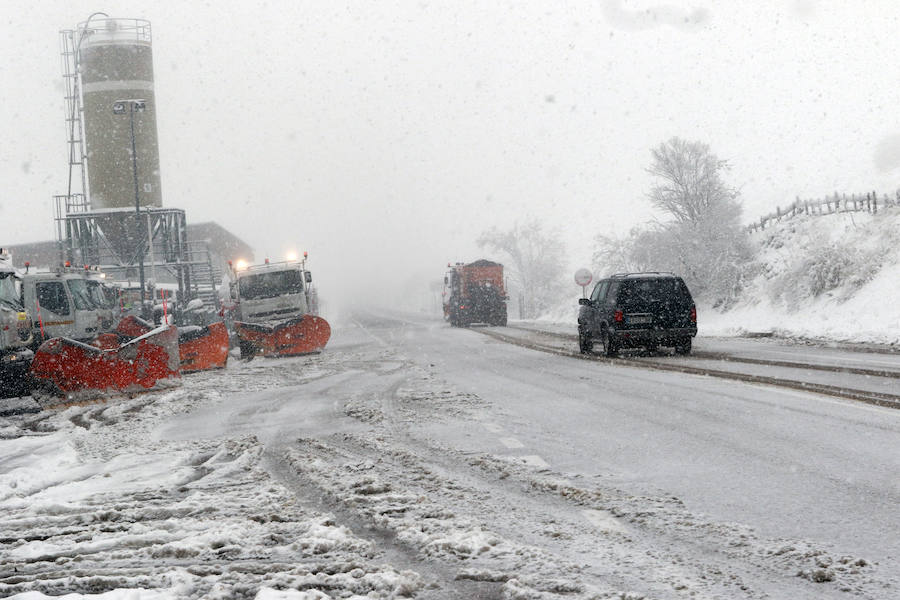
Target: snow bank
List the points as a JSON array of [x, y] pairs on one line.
[[831, 277], [834, 277]]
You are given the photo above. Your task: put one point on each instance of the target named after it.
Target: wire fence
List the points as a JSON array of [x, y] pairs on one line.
[[838, 203]]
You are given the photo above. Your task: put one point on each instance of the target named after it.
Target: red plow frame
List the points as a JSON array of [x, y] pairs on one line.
[[67, 367], [302, 335], [199, 348]]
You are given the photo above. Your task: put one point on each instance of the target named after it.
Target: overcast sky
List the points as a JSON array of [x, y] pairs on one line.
[[383, 137]]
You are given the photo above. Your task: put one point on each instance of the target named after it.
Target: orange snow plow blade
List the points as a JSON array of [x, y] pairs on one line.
[[132, 326], [302, 335], [203, 348], [199, 348], [66, 366]]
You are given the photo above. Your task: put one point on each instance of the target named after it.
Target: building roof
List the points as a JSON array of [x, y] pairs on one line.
[[222, 243]]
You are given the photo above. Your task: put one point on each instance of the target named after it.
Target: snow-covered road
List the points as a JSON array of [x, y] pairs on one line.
[[415, 460]]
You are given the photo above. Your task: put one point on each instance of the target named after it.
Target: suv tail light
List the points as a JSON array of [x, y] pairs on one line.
[[693, 314], [619, 316]]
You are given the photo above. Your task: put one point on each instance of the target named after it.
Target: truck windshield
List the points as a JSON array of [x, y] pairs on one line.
[[99, 296], [9, 291], [81, 294], [270, 285], [112, 295]]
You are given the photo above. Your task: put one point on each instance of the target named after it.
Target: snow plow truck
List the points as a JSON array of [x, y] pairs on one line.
[[475, 293], [15, 332], [274, 310]]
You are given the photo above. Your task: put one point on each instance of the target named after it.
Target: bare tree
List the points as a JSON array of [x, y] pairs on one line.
[[701, 239], [613, 254], [691, 188], [705, 241], [536, 262]]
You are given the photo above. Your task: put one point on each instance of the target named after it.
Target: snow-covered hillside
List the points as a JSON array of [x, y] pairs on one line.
[[834, 277]]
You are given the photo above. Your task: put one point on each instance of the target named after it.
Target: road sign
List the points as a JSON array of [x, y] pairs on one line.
[[583, 277]]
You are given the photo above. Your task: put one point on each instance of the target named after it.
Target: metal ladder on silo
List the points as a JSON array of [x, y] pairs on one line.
[[75, 197]]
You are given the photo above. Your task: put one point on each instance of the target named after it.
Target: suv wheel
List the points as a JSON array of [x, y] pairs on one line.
[[683, 346], [609, 346], [585, 343]]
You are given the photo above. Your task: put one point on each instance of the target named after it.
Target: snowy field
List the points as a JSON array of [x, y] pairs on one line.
[[410, 460]]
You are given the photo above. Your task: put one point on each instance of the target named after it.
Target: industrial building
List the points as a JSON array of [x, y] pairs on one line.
[[112, 213], [221, 243]]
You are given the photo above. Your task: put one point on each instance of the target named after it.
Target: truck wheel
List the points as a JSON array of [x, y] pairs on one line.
[[585, 343], [610, 348], [683, 346]]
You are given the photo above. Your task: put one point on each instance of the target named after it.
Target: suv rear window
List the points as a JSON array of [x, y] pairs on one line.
[[641, 294]]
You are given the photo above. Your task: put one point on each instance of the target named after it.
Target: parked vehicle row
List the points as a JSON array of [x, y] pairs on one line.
[[82, 339]]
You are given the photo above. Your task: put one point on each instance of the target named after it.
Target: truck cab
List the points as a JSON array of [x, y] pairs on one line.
[[272, 292], [68, 303], [106, 298]]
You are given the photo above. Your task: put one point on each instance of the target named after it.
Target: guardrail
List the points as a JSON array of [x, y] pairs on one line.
[[838, 203]]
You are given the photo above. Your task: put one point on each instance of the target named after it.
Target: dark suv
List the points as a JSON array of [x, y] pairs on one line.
[[632, 310]]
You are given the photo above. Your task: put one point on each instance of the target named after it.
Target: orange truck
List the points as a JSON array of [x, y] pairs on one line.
[[475, 293]]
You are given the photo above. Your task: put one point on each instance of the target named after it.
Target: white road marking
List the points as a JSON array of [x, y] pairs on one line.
[[602, 519], [535, 461], [511, 442], [493, 427], [825, 399]]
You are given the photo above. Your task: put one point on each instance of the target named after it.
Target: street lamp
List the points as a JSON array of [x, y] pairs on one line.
[[131, 106]]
